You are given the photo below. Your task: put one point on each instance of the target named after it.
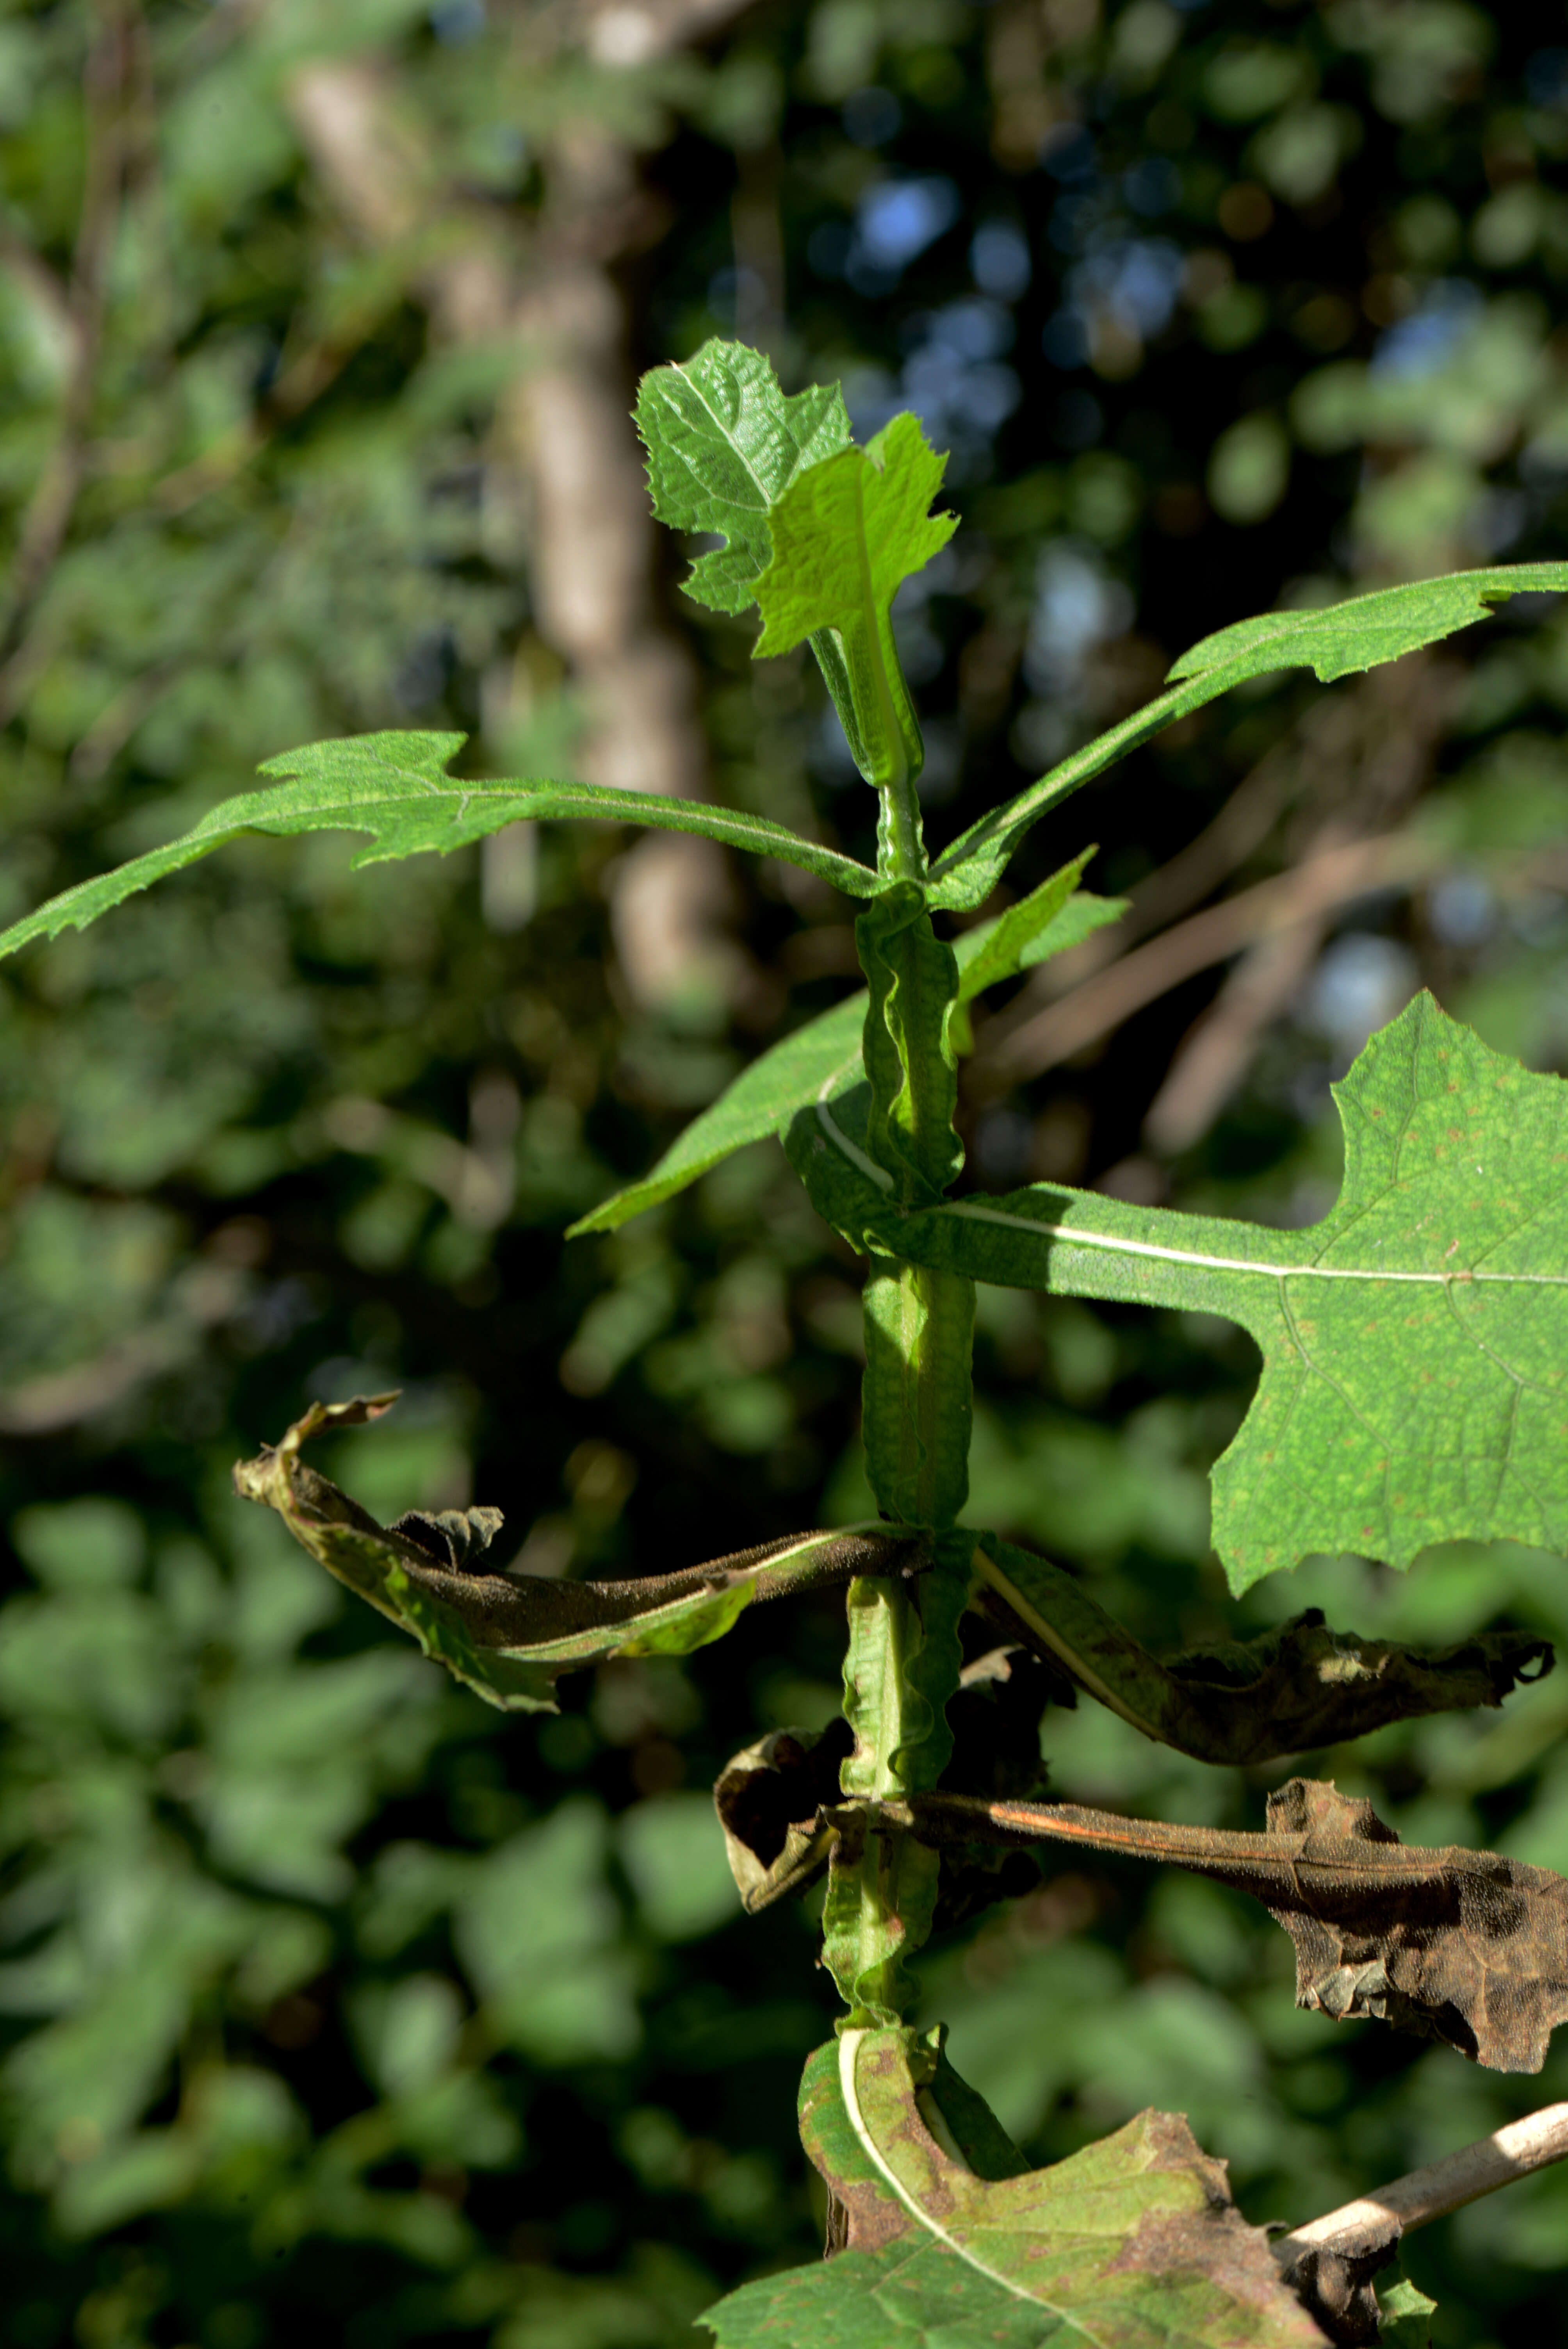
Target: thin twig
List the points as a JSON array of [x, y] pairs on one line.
[[1431, 2193]]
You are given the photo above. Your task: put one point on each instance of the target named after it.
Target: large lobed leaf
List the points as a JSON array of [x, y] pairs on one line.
[[1415, 1343], [1355, 634], [823, 1060], [1133, 2243], [509, 1637], [395, 787]]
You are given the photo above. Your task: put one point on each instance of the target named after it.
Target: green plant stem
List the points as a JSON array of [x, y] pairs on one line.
[[902, 1659], [892, 740]]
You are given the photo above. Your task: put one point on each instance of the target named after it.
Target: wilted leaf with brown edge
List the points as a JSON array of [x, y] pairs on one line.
[[1133, 2243], [509, 1637], [767, 1800], [1302, 1686], [1462, 1946]]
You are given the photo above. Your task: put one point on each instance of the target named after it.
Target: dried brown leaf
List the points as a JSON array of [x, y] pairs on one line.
[[1467, 1947]]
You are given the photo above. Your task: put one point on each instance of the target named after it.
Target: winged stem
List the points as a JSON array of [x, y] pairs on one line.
[[903, 1661]]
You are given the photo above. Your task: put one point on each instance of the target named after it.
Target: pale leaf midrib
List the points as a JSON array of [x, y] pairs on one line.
[[1116, 1244], [849, 2049]]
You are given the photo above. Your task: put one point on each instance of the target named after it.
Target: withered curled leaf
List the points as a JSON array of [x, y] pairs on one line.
[[1467, 1947], [1293, 1690], [508, 1637], [768, 1801], [1462, 1946]]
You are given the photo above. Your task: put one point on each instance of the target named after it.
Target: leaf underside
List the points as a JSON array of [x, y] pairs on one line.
[[508, 1637], [1415, 1343], [1133, 2243]]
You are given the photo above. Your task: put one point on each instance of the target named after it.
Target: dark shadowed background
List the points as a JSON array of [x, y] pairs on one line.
[[334, 2007]]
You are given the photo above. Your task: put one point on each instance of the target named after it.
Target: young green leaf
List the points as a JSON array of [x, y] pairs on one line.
[[1415, 1343], [1054, 917], [1027, 933], [508, 1637], [1407, 2315], [1133, 2243], [394, 786], [845, 536], [822, 1060], [1352, 635], [724, 444]]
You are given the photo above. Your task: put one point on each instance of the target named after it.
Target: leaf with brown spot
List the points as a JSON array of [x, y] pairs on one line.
[[508, 1637], [948, 2238]]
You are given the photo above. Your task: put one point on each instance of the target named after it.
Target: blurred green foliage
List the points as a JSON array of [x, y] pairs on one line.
[[332, 2006]]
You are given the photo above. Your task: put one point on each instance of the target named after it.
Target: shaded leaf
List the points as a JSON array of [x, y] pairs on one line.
[[1355, 634], [1131, 2243], [996, 1723], [394, 786], [767, 1800], [724, 444], [1467, 1947], [822, 1056], [1298, 1687], [823, 1059], [1415, 1343], [509, 1637]]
